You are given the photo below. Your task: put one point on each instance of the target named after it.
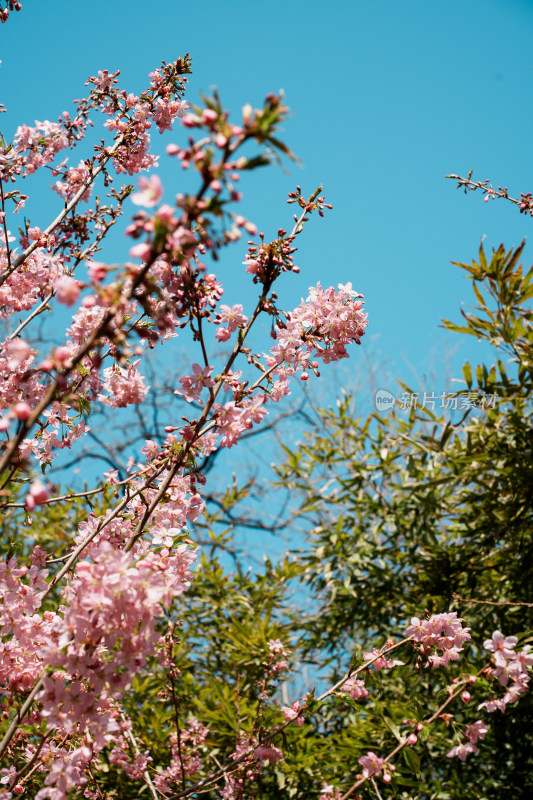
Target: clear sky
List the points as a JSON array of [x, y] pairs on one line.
[[386, 97]]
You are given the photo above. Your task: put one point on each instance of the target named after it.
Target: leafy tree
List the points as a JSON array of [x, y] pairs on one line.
[[415, 511]]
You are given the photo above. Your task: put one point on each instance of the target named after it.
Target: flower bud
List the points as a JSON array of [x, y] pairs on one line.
[[22, 411]]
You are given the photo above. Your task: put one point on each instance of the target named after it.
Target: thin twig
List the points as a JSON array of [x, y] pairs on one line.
[[501, 604]]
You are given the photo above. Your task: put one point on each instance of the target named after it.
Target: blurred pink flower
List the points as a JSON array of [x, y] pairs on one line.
[[151, 191]]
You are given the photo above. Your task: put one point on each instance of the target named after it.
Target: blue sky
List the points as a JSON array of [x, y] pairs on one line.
[[386, 99]]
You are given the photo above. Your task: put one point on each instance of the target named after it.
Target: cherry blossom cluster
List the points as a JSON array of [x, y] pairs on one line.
[[236, 783], [446, 633], [25, 632], [292, 713], [510, 668], [252, 757], [319, 328], [277, 660], [45, 445], [380, 661], [443, 632], [473, 733], [33, 281], [134, 765], [94, 644], [123, 386], [185, 751], [355, 686], [38, 145], [43, 267], [132, 116]]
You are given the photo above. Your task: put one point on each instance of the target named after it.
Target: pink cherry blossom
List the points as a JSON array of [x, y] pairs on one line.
[[371, 763], [476, 731], [329, 793], [270, 754], [67, 289], [124, 386], [511, 669], [22, 411], [222, 334], [381, 662], [502, 647], [233, 316], [192, 385], [443, 632], [151, 191], [356, 688], [292, 713], [37, 495], [462, 751], [75, 178]]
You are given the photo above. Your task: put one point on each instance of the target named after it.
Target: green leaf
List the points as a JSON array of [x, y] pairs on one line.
[[467, 373], [412, 760]]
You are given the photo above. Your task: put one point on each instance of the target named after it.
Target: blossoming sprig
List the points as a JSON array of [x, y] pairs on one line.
[[524, 202], [33, 148]]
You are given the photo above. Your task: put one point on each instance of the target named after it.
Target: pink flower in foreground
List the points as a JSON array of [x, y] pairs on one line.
[[271, 754], [151, 191], [443, 631], [16, 351], [502, 646], [318, 328], [124, 386], [462, 751], [381, 662], [97, 270], [233, 316], [193, 384], [67, 289], [293, 714], [22, 411], [37, 495], [141, 250], [356, 688], [222, 335], [476, 731], [371, 763]]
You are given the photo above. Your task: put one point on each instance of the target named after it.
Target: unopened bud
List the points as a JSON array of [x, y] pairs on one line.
[[22, 411]]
